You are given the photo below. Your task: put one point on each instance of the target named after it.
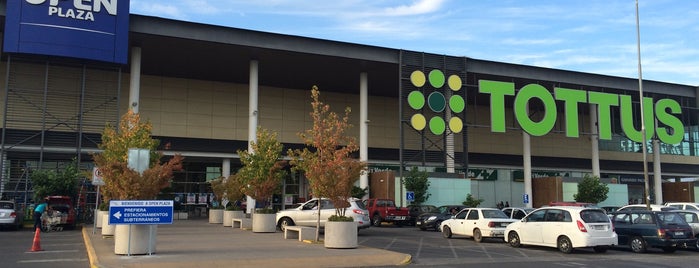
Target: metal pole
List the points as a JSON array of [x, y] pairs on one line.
[[643, 121], [94, 213]]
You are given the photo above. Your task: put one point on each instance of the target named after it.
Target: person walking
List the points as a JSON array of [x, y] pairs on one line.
[[38, 211]]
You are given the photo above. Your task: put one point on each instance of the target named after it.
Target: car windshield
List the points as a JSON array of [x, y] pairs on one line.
[[6, 205], [670, 218], [593, 215], [359, 204], [494, 214]]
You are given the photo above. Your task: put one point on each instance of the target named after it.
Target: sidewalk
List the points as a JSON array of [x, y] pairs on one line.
[[196, 243]]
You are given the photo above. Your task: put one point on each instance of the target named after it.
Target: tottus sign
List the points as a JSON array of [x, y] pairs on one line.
[[87, 29], [666, 111]]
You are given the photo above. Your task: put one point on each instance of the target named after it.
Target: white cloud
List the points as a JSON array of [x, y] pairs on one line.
[[416, 8]]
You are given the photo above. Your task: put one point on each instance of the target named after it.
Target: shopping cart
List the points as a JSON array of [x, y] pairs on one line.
[[51, 221]]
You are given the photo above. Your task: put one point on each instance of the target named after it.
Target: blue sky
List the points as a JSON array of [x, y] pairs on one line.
[[595, 36]]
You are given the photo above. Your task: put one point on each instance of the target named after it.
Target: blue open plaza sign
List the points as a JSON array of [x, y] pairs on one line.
[[95, 30], [140, 211]]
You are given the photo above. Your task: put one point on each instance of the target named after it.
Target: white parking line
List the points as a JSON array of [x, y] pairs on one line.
[[451, 246], [419, 248], [53, 260]]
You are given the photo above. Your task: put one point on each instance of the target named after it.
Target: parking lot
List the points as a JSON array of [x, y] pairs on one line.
[[59, 249], [429, 248]]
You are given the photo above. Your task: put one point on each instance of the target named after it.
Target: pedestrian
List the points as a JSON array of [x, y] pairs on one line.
[[38, 211], [507, 204]]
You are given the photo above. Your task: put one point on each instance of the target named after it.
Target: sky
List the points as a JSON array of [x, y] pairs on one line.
[[593, 36]]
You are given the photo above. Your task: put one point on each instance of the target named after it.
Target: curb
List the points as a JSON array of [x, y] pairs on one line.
[[91, 255]]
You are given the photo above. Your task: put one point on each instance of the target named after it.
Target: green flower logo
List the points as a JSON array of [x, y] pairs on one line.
[[436, 101]]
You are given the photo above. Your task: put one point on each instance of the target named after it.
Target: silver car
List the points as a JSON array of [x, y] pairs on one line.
[[10, 215], [692, 218], [307, 213]]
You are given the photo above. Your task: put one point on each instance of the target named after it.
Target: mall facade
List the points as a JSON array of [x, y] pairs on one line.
[[481, 127]]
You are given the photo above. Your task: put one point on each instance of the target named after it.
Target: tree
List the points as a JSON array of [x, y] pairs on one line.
[[330, 168], [230, 189], [417, 182], [263, 171], [591, 190], [472, 202], [358, 192], [62, 182], [120, 181]]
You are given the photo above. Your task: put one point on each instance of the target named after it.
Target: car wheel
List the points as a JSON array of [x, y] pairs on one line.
[[513, 240], [436, 225], [564, 245], [669, 249], [600, 249], [696, 245], [446, 232], [477, 236], [638, 245], [284, 222], [376, 221]]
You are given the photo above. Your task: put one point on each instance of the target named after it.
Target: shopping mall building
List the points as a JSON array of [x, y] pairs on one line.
[[491, 129]]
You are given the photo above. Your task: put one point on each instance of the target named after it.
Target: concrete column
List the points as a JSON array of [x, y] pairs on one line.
[[226, 167], [594, 140], [364, 127], [252, 121], [657, 174], [135, 83], [527, 159]]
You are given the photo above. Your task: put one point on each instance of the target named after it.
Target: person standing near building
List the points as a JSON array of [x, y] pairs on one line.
[[38, 211]]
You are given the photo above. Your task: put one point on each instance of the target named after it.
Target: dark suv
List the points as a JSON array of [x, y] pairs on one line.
[[642, 229]]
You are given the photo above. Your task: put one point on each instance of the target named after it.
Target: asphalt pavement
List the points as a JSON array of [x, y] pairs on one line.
[[197, 243]]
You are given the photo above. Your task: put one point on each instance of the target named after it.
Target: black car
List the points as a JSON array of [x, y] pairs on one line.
[[415, 211], [643, 229], [432, 219]]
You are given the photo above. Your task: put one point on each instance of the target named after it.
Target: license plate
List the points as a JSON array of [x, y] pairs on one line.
[[418, 223], [598, 227], [679, 233], [504, 224], [400, 218]]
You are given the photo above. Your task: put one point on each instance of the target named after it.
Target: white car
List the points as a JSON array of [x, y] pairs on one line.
[[683, 205], [692, 218], [307, 213], [653, 207], [516, 213], [564, 228], [478, 223], [10, 215]]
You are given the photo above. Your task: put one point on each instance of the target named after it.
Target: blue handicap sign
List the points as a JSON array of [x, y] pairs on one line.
[[525, 198], [410, 196]]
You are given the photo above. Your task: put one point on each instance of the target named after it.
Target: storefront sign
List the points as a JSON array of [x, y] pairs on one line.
[[88, 29], [666, 111]]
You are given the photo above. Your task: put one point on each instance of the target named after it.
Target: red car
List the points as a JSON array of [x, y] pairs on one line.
[[63, 205]]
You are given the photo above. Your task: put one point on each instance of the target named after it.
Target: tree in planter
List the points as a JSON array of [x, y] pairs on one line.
[[230, 189], [120, 181], [417, 182], [472, 202], [330, 168], [262, 172], [591, 190]]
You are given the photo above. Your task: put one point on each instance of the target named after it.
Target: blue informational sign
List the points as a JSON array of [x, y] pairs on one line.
[[410, 196], [525, 198], [140, 211], [96, 30]]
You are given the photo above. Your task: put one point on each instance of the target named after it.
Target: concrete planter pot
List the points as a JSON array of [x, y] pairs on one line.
[[135, 239], [98, 218], [107, 229], [340, 234], [227, 218], [264, 223], [216, 216]]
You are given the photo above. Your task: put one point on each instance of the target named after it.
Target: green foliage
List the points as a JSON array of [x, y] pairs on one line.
[[340, 218], [62, 182], [417, 182], [104, 206], [262, 170], [358, 192], [265, 211], [472, 202], [591, 190]]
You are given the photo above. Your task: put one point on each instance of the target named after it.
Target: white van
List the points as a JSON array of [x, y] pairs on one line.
[[564, 228]]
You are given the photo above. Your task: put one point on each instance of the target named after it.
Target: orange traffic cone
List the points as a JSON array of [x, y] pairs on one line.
[[36, 246]]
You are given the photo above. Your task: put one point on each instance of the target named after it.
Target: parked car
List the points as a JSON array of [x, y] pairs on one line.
[[643, 229], [610, 209], [415, 210], [692, 218], [571, 204], [307, 213], [432, 219], [516, 213], [565, 228], [64, 206], [478, 223], [683, 205], [10, 215], [653, 207], [385, 210]]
